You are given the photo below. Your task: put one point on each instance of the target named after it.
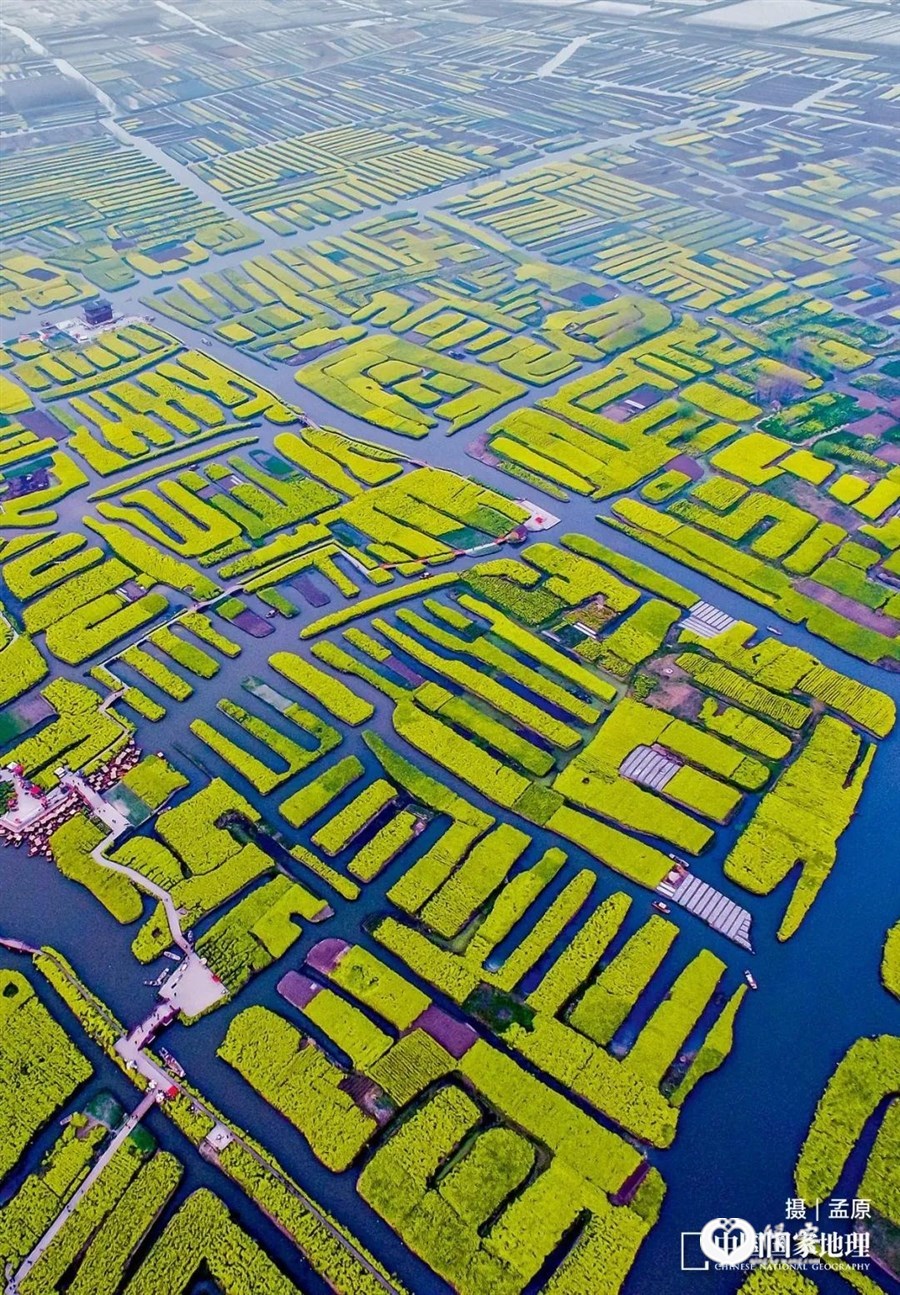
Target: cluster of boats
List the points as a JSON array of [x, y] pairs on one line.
[[63, 803]]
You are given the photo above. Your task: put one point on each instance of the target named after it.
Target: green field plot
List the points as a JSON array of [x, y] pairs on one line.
[[801, 563], [74, 202], [864, 1082], [137, 393], [28, 1031], [383, 728], [397, 385], [486, 1195]]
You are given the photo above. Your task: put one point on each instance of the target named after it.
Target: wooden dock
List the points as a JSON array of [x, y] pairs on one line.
[[710, 905]]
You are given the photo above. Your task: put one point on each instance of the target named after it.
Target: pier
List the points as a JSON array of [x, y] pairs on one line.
[[710, 905]]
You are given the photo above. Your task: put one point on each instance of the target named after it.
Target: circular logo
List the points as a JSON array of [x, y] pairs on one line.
[[728, 1241]]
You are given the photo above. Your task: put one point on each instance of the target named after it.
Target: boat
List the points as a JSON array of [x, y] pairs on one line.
[[773, 629], [175, 1066], [660, 906], [750, 979]]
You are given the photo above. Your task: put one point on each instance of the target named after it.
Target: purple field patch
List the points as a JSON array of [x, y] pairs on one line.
[[253, 624], [326, 955], [297, 989], [455, 1036], [690, 467], [42, 424], [404, 671], [307, 589]]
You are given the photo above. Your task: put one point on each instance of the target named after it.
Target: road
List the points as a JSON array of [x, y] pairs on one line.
[[269, 242], [147, 1101]]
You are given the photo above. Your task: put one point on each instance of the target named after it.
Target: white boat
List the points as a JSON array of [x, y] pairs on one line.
[[676, 858], [750, 979], [175, 1066], [773, 629]]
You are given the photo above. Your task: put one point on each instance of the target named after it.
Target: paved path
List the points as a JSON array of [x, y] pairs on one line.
[[117, 824], [114, 819], [192, 988], [149, 1099], [149, 887], [18, 946]]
